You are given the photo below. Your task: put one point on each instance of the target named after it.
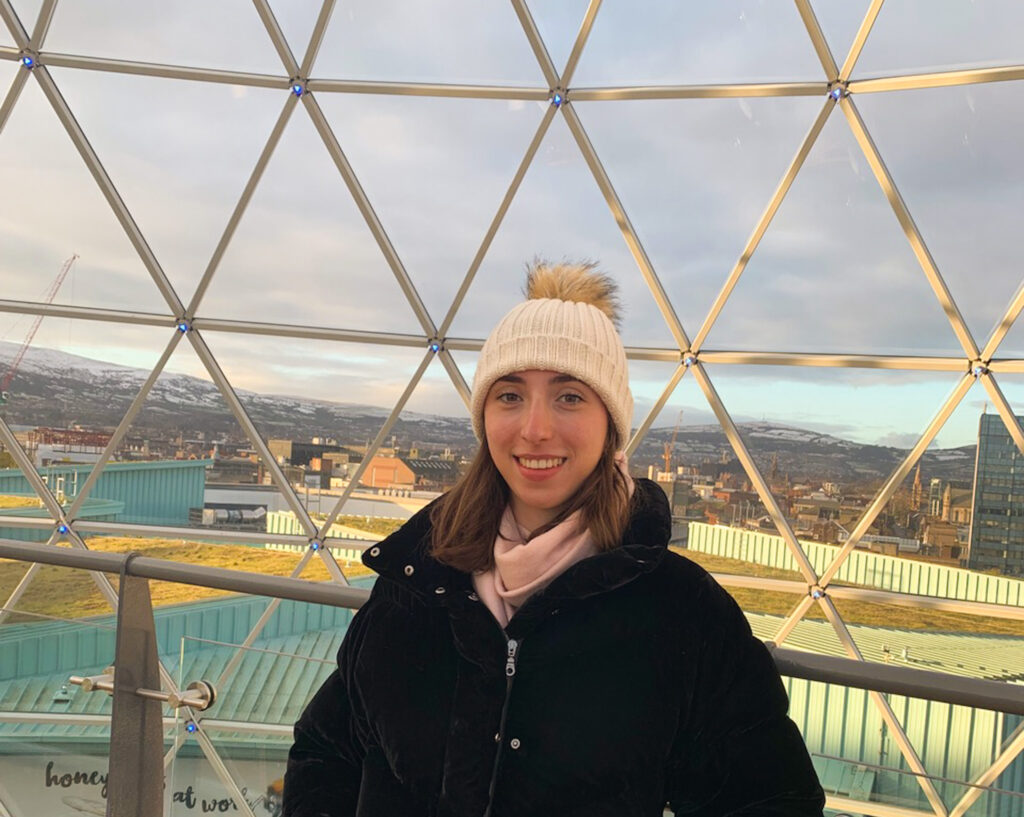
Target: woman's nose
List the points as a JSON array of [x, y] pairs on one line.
[[537, 421]]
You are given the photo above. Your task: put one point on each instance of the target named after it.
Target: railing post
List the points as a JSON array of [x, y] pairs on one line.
[[136, 772]]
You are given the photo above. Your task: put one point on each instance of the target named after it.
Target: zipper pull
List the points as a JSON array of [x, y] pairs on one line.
[[510, 662]]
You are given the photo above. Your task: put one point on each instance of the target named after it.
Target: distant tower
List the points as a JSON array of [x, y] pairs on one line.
[[997, 541], [915, 493], [773, 474]]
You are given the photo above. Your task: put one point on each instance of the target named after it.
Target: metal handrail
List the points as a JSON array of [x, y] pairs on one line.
[[899, 680]]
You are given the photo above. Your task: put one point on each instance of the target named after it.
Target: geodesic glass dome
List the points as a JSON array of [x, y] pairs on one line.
[[226, 226]]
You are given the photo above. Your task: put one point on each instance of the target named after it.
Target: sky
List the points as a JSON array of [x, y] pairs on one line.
[[834, 272]]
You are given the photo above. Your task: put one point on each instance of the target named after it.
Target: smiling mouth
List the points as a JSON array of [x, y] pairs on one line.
[[540, 463]]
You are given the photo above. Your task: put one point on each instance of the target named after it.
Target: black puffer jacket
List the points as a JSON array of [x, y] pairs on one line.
[[630, 682]]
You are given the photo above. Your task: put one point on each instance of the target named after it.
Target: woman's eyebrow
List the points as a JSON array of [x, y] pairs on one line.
[[565, 378], [510, 378]]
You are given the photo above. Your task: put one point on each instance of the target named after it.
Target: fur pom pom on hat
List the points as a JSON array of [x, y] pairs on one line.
[[567, 325]]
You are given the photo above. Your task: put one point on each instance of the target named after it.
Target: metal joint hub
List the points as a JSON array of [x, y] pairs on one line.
[[837, 89]]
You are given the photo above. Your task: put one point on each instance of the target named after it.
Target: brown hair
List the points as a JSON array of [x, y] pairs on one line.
[[465, 521]]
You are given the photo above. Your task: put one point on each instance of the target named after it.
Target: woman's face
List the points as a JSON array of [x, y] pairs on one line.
[[546, 432]]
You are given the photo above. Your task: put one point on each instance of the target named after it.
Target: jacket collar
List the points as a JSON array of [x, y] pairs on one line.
[[404, 556]]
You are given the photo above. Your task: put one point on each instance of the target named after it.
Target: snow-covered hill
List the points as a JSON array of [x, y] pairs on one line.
[[56, 388]]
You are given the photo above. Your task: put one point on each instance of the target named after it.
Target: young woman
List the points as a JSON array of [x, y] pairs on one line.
[[531, 646]]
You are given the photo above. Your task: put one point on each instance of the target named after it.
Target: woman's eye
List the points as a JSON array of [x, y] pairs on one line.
[[507, 397], [571, 398]]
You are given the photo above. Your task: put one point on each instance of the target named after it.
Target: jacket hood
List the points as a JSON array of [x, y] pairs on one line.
[[404, 556]]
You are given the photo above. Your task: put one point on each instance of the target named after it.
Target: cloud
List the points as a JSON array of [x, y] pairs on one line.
[[834, 271]]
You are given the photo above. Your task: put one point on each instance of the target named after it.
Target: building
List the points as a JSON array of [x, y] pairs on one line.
[[159, 492], [296, 452], [956, 504], [63, 445], [950, 501], [407, 473], [997, 516], [942, 541]]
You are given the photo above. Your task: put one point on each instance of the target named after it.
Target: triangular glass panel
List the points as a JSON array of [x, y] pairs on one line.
[[694, 204], [559, 26], [226, 36], [559, 215], [834, 271], [717, 513], [303, 252], [297, 19], [180, 178], [723, 42], [45, 217], [918, 544], [460, 42], [424, 454], [300, 388], [680, 452], [73, 385], [914, 36], [824, 440], [318, 406], [946, 150], [443, 168], [185, 440], [840, 20]]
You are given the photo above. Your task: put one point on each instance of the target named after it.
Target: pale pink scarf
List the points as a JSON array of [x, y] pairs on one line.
[[522, 568]]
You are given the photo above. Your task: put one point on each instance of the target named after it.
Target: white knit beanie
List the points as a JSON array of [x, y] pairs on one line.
[[566, 326]]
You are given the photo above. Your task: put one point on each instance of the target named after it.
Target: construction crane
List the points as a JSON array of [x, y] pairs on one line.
[[51, 293], [671, 446]]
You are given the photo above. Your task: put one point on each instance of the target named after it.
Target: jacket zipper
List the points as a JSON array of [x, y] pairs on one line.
[[510, 674]]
